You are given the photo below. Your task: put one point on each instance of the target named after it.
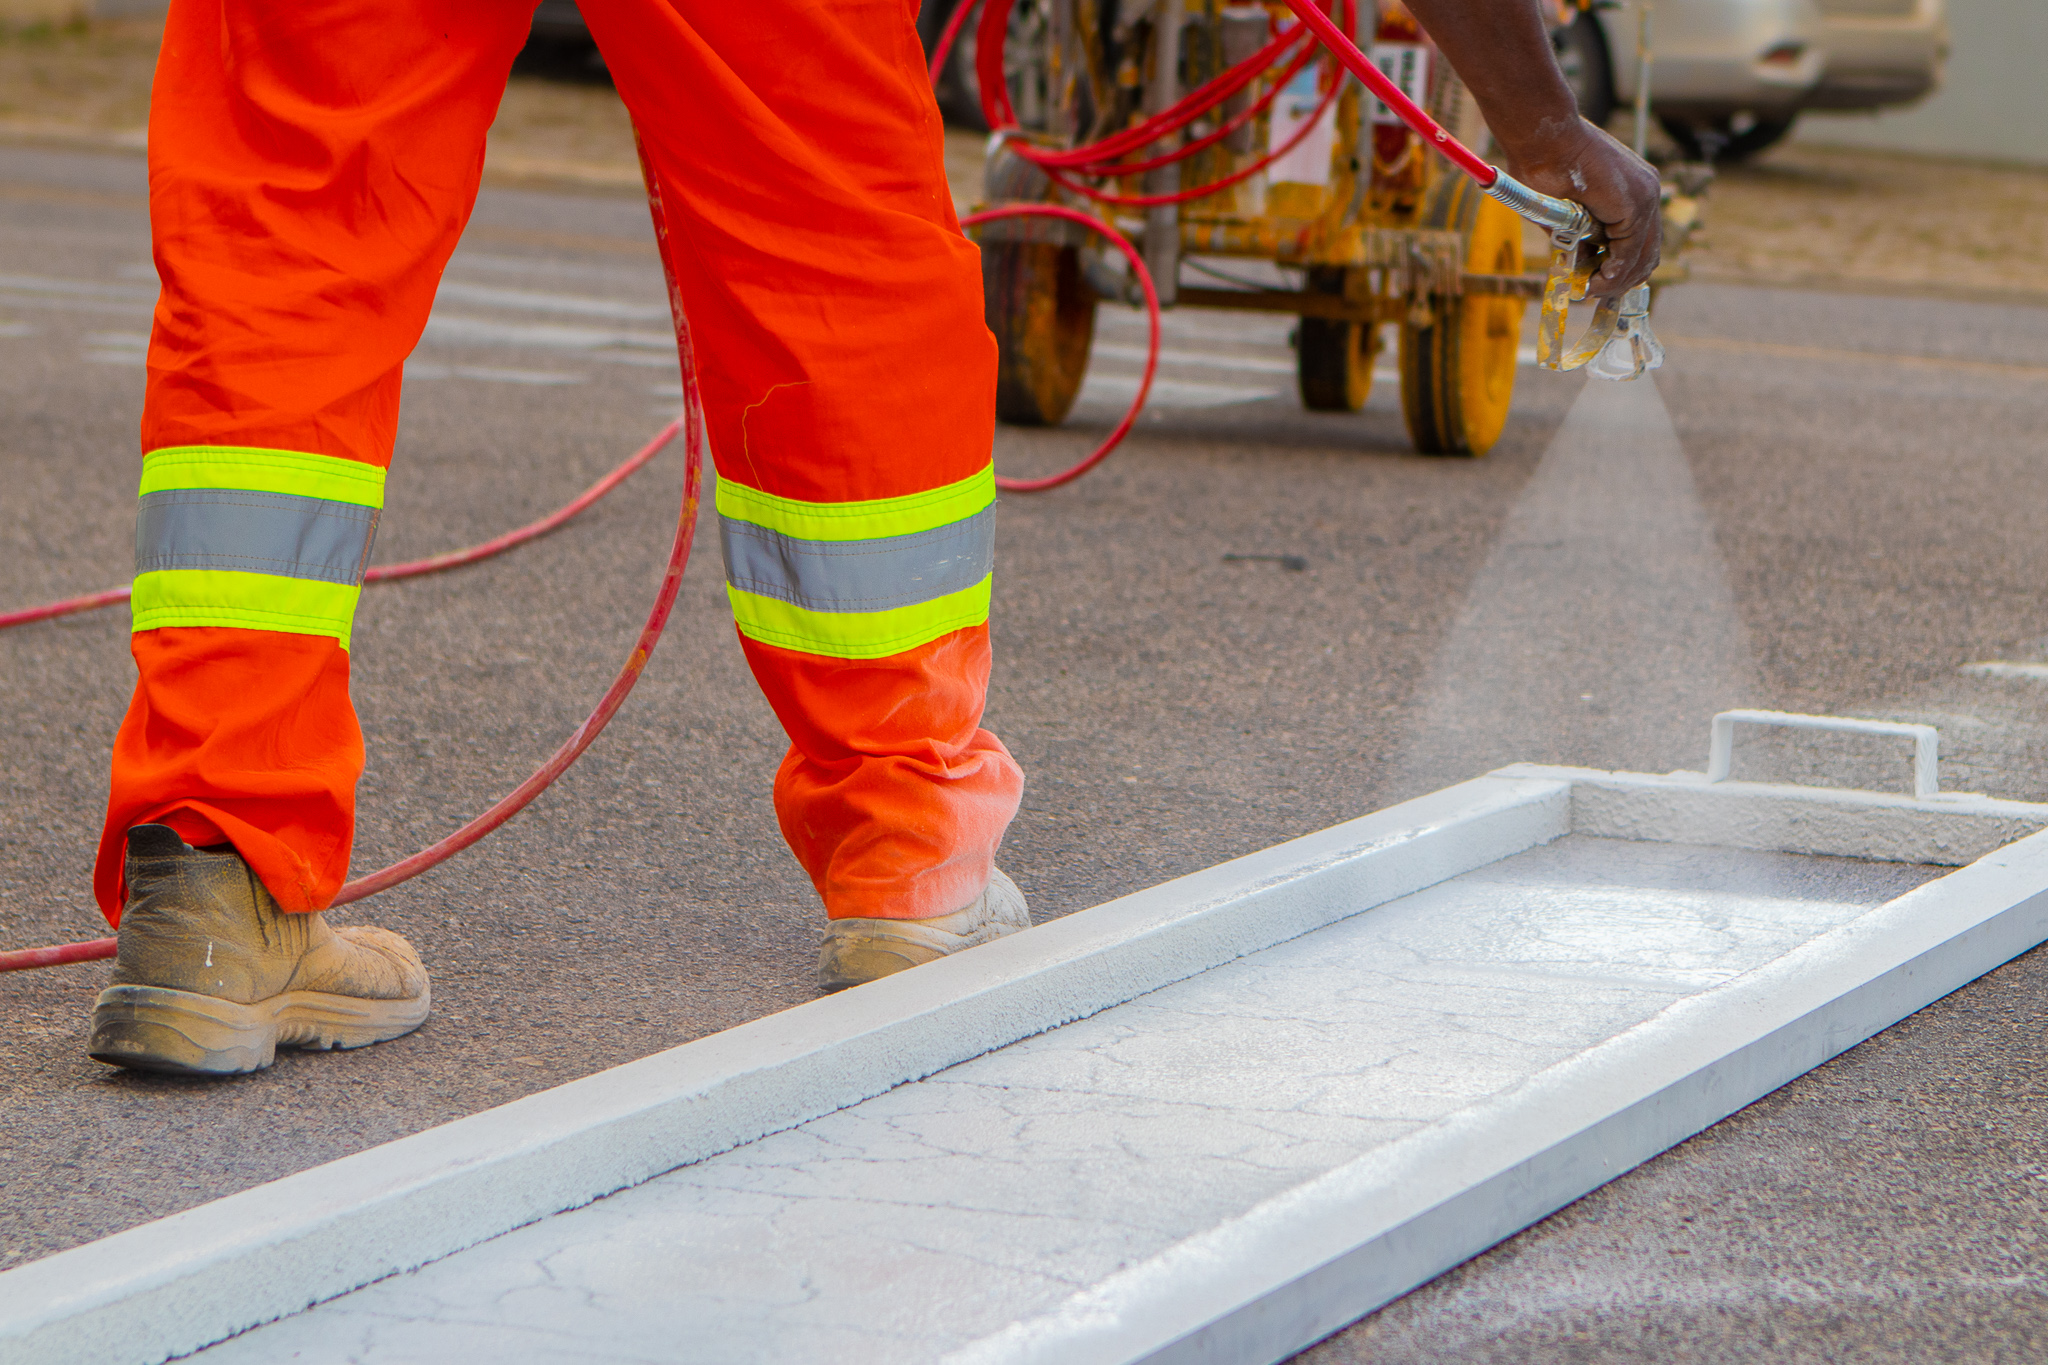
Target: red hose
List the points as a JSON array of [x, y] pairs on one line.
[[1118, 240], [90, 602], [92, 950], [1202, 191], [1375, 80], [692, 424], [1001, 115], [413, 569], [944, 47]]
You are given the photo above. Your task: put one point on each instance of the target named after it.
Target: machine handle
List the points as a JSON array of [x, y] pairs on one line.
[[1926, 742]]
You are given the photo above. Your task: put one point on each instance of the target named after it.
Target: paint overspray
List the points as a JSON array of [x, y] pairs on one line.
[[1601, 630]]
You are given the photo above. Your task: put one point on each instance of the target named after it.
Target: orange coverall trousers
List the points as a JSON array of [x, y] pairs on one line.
[[312, 165]]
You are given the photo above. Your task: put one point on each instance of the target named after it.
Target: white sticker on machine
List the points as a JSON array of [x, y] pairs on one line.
[[1308, 163], [1407, 66]]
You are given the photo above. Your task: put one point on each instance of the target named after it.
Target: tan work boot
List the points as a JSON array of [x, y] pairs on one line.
[[212, 978], [858, 950]]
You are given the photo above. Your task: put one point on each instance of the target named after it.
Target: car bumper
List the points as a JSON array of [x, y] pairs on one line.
[[1718, 57], [1874, 62]]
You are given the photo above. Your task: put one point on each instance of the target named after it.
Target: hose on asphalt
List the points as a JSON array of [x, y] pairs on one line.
[[691, 425], [1098, 159], [385, 573]]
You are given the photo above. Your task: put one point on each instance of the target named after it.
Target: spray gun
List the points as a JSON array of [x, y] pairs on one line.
[[1619, 343]]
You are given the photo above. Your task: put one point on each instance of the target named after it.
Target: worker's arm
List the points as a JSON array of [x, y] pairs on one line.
[[1502, 50]]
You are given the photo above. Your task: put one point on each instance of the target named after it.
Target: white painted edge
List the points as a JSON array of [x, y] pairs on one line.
[[1948, 830], [1306, 1263], [183, 1282]]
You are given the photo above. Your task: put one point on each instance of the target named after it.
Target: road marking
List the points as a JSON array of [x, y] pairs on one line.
[[563, 241], [531, 301], [1195, 359], [1837, 354], [488, 374], [446, 330], [16, 329], [1168, 393], [1995, 669], [51, 285]]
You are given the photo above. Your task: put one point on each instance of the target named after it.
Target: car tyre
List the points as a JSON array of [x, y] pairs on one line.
[[1727, 140], [1588, 68]]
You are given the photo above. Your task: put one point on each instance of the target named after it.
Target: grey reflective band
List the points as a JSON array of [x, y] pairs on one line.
[[859, 575], [273, 533]]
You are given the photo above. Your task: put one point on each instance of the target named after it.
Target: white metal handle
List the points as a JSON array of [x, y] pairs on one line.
[[1926, 742]]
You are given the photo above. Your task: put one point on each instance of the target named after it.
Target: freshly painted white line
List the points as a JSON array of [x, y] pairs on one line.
[[1226, 1168], [174, 1285], [1259, 1287], [532, 301], [2032, 672]]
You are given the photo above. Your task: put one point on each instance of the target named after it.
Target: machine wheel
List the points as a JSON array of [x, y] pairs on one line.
[[1458, 371], [1333, 359], [1043, 314]]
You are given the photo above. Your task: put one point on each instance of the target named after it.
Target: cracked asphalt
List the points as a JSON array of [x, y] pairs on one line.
[[1867, 477]]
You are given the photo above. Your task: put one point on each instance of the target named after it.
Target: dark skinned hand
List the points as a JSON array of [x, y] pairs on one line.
[[1501, 48]]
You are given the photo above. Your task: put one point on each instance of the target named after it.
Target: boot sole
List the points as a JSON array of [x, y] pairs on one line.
[[155, 1028]]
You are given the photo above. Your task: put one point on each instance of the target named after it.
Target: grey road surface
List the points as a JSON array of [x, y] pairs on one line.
[[1828, 502]]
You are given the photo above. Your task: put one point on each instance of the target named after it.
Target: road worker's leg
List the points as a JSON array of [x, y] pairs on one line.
[[311, 166], [849, 384]]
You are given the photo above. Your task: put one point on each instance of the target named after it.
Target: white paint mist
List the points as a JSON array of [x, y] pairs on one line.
[[1601, 630]]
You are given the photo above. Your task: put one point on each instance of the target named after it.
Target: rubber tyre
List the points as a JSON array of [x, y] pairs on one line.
[[1729, 146], [1582, 55], [1458, 372], [1333, 360], [1042, 312]]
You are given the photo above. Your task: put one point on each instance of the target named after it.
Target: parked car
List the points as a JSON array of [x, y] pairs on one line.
[[1730, 77]]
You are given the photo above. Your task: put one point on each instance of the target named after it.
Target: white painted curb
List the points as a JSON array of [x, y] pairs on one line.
[[197, 1277], [1291, 1271]]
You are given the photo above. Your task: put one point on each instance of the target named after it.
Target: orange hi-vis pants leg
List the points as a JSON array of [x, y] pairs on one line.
[[311, 167]]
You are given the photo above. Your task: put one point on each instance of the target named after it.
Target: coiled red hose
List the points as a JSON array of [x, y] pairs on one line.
[[1121, 243]]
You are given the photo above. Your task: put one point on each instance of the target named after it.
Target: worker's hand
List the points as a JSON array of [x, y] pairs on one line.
[[1571, 159]]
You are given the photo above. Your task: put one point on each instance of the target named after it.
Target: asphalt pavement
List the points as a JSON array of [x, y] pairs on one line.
[[1827, 502]]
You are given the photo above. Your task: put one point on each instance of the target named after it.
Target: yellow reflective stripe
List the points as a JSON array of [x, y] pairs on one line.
[[243, 601], [857, 634], [872, 520], [249, 469]]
